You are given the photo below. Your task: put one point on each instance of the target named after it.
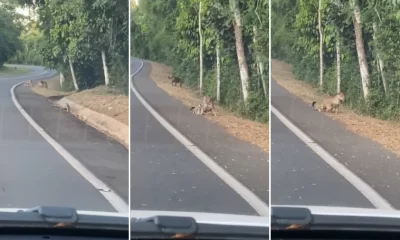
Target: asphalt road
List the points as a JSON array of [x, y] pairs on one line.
[[165, 175], [32, 172], [301, 177]]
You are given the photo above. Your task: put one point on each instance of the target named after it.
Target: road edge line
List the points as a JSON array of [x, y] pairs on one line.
[[365, 189], [252, 199], [116, 201]]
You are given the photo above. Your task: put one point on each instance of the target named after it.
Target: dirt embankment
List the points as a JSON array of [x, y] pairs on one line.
[[386, 133], [247, 130], [100, 99]]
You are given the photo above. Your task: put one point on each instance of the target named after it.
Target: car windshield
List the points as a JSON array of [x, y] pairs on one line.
[[199, 106], [214, 110], [64, 104], [335, 104]]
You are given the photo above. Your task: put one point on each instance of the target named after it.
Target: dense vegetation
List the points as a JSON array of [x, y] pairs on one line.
[[355, 50], [9, 33], [219, 48], [85, 40]]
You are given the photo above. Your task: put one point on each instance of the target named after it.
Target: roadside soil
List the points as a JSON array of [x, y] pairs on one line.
[[244, 129], [100, 99], [386, 133]]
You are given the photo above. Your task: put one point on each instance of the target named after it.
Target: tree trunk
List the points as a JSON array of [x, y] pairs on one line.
[[218, 70], [260, 65], [62, 79], [201, 51], [73, 75], [243, 68], [264, 82], [380, 61], [106, 77], [362, 59], [321, 49], [338, 62]]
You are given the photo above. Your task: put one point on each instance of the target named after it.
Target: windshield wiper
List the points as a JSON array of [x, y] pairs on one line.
[[187, 227], [290, 218], [61, 217]]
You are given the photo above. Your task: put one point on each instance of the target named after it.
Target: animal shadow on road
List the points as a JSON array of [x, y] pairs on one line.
[[56, 98]]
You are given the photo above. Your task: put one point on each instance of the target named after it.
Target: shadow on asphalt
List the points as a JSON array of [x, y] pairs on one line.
[[56, 98]]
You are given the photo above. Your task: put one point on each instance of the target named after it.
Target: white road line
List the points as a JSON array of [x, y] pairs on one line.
[[374, 197], [253, 200], [140, 68], [117, 202]]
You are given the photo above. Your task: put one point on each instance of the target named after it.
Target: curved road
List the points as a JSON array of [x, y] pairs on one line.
[[32, 172], [165, 175], [358, 172]]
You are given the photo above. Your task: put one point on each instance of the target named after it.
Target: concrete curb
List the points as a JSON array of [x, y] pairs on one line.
[[105, 124]]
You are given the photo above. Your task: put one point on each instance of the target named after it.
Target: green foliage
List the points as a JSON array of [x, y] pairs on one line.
[[9, 32], [167, 32], [32, 43], [295, 39], [78, 30]]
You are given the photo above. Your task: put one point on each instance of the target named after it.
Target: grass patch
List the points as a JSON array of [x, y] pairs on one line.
[[9, 71]]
